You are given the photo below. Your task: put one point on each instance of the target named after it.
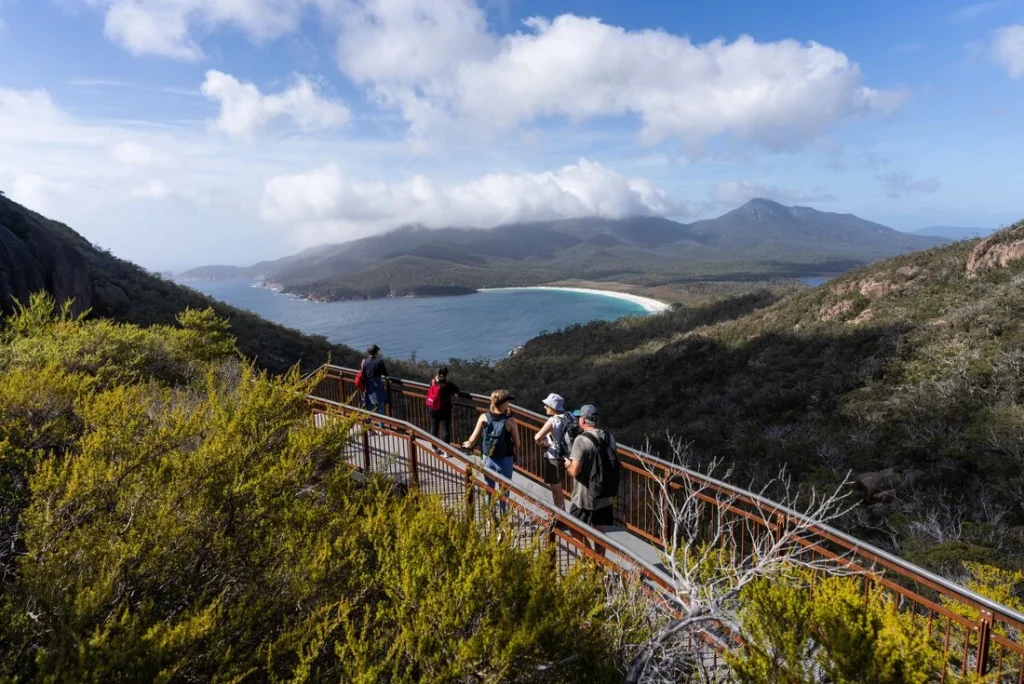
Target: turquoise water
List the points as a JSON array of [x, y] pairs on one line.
[[483, 325], [816, 280]]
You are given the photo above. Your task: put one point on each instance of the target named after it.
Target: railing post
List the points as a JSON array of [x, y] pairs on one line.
[[553, 542], [666, 507], [414, 462], [469, 493], [984, 640], [366, 449]]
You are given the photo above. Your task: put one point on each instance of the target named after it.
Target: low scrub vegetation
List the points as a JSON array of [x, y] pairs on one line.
[[907, 373]]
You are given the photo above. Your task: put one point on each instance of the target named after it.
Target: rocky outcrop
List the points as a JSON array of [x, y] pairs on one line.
[[33, 257], [994, 252]]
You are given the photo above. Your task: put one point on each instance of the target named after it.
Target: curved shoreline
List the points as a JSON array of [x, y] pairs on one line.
[[649, 305]]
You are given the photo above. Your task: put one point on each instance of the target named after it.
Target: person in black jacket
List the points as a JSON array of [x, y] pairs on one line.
[[441, 417], [375, 374]]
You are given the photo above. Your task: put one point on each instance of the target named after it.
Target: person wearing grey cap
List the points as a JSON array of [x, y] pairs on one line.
[[594, 466], [552, 436]]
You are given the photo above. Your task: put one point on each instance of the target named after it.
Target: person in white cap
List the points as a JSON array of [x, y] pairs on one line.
[[552, 436]]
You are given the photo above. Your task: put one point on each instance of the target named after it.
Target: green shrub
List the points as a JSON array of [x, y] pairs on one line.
[[835, 633], [169, 513]]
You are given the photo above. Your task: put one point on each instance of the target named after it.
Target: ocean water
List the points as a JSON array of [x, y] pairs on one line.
[[482, 325], [815, 281]]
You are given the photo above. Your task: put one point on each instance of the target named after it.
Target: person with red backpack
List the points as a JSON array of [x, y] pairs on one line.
[[439, 404]]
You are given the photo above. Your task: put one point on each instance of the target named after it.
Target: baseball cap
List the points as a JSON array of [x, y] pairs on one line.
[[587, 412], [555, 402]]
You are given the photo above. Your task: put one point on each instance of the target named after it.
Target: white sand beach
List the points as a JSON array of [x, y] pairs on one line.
[[649, 305]]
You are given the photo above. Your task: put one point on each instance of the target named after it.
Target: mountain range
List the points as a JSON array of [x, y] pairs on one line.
[[759, 239]]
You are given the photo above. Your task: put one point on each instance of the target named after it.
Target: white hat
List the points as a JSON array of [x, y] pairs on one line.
[[555, 402]]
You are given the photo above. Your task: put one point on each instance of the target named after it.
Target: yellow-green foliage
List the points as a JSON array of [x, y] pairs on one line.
[[836, 633], [171, 514], [1002, 586]]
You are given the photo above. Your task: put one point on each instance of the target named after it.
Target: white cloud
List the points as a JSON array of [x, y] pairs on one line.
[[165, 27], [36, 192], [323, 205], [244, 109], [154, 190], [435, 61], [1008, 49], [739, 192], [134, 153], [899, 183]]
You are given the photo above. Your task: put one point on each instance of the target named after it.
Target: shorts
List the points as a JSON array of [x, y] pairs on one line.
[[602, 517], [552, 471]]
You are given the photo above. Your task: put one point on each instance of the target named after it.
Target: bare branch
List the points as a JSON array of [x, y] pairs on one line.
[[718, 541]]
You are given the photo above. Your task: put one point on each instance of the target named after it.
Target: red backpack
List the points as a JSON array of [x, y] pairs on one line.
[[360, 379], [434, 396]]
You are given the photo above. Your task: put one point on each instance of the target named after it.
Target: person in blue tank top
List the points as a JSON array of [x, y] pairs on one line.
[[500, 437]]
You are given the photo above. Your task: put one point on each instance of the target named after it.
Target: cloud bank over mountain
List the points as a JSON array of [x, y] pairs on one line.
[[323, 205]]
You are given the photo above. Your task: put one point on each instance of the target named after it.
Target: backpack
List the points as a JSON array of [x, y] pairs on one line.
[[497, 441], [603, 479], [361, 378], [434, 396], [571, 431]]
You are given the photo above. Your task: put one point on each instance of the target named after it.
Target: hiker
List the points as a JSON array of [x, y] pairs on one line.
[[558, 444], [375, 379], [594, 466], [439, 404], [500, 442]]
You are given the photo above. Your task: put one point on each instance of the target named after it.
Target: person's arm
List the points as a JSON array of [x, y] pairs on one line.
[[468, 444], [575, 463], [511, 425], [384, 370], [457, 392], [544, 431]]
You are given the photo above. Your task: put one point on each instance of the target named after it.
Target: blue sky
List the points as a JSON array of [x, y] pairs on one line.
[[181, 132]]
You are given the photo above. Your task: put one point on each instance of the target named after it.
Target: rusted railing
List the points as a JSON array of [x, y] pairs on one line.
[[977, 635]]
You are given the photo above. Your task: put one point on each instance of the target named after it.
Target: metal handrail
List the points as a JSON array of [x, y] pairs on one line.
[[871, 556], [854, 544], [649, 571]]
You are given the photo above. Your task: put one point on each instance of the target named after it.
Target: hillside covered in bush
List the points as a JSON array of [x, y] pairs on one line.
[[39, 254], [907, 372], [168, 513]]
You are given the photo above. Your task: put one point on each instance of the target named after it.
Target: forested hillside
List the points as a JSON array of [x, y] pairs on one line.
[[38, 254], [907, 372]]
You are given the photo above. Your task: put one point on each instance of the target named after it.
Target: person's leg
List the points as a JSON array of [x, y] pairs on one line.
[[445, 428], [435, 425], [505, 467], [554, 472], [603, 519], [490, 465], [557, 497]]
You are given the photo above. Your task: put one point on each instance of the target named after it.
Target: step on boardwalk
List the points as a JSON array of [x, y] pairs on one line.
[[978, 635]]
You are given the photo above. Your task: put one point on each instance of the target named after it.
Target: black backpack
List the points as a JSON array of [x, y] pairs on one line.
[[569, 434], [497, 441], [602, 480]]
